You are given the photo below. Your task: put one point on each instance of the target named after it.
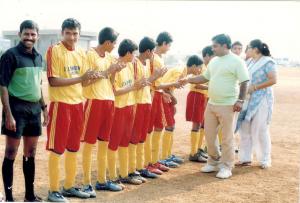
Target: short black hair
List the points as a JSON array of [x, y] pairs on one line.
[[70, 23], [194, 60], [222, 39], [146, 43], [164, 37], [29, 24], [207, 51], [126, 46], [236, 43], [109, 34]]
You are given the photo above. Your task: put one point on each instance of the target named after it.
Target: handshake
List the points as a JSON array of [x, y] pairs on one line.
[[95, 74]]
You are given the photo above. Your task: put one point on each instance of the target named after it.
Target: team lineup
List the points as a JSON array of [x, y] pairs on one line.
[[126, 107]]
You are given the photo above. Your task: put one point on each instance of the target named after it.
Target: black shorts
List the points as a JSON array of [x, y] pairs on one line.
[[27, 116]]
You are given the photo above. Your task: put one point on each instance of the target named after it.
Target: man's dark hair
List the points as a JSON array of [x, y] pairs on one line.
[[164, 37], [126, 46], [237, 43], [222, 39], [29, 24], [146, 44], [207, 51], [70, 23], [194, 60], [107, 33]]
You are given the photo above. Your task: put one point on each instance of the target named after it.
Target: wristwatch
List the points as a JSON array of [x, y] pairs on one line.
[[240, 100]]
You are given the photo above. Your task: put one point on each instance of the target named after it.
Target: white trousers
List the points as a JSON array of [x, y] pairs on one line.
[[255, 136]]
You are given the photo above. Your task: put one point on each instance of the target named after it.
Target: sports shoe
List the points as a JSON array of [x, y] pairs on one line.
[[202, 153], [109, 185], [56, 197], [197, 158], [154, 170], [34, 199], [169, 163], [224, 173], [74, 192], [130, 179], [209, 168], [147, 174], [161, 167], [119, 183], [138, 176], [175, 159], [89, 189]]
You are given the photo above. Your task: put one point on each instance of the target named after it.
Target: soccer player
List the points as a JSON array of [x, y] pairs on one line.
[[66, 71], [99, 110], [143, 108], [125, 85]]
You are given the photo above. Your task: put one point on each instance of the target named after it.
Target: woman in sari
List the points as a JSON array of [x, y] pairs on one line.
[[254, 120]]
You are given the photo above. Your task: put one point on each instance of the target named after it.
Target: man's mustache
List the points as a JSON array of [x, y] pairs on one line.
[[28, 40]]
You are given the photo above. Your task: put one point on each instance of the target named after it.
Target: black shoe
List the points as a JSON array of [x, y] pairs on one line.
[[197, 158], [202, 153]]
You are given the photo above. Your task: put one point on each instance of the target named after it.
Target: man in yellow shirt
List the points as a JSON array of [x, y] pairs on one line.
[[66, 71], [142, 110], [99, 110], [125, 85]]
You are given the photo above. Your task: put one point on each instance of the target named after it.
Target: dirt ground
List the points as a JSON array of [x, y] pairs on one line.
[[280, 183]]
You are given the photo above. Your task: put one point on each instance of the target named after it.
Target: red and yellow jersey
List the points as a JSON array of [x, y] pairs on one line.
[[102, 89], [157, 62], [174, 74], [64, 63], [192, 86], [124, 78], [143, 95]]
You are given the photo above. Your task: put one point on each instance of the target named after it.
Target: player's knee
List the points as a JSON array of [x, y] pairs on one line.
[[11, 152], [30, 152]]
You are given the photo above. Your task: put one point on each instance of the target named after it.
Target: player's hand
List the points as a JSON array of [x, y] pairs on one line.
[[183, 81], [159, 72], [140, 83], [10, 123], [237, 107], [46, 117], [167, 98], [89, 75], [116, 67], [178, 85]]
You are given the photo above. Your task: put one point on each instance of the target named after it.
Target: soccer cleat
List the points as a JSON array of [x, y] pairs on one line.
[[161, 167], [109, 185], [56, 197], [202, 153], [74, 192], [154, 170], [147, 174], [197, 158], [176, 159], [138, 176], [169, 163], [130, 180], [89, 189]]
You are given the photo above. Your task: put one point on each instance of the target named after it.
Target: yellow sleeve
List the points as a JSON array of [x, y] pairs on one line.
[[52, 61]]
